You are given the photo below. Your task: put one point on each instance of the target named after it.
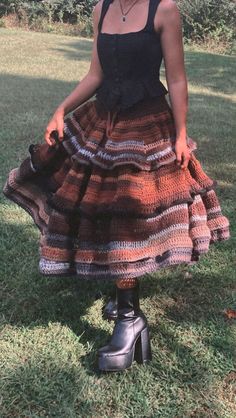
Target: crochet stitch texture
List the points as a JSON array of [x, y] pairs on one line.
[[117, 207]]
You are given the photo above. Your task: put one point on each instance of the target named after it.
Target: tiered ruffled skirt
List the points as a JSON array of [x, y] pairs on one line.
[[117, 206]]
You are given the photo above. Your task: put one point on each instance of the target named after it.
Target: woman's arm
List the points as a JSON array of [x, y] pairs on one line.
[[168, 22], [88, 85], [83, 91]]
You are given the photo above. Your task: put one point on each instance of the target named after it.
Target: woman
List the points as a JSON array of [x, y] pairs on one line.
[[120, 192]]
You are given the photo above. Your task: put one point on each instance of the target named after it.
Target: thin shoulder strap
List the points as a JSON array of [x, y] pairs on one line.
[[105, 5], [153, 5]]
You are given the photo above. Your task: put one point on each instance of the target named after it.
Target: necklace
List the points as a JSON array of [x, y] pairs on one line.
[[125, 13]]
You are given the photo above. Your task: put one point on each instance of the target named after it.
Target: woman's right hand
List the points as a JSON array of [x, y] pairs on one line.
[[55, 124]]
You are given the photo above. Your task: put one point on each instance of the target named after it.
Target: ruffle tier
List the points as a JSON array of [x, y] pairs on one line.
[[117, 207], [129, 92]]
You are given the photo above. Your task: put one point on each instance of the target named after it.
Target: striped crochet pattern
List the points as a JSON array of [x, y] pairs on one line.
[[117, 206]]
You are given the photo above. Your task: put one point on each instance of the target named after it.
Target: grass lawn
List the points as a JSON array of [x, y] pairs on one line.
[[51, 328]]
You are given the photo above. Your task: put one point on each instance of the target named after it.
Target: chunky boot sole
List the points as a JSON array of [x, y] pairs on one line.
[[141, 352]]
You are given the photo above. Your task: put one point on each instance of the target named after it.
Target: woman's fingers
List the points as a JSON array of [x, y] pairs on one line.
[[55, 130], [48, 137], [178, 157], [182, 154], [60, 130], [185, 160], [54, 136]]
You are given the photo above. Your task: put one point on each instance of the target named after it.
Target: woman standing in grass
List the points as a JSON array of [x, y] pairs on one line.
[[119, 193]]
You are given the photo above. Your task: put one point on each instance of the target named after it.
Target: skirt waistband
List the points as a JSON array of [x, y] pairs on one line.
[[143, 107]]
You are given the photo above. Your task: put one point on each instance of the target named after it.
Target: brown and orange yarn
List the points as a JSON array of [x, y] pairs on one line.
[[117, 206]]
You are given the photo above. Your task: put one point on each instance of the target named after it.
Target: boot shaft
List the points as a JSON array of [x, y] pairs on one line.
[[128, 300]]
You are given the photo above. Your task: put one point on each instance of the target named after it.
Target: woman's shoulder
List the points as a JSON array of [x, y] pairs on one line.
[[168, 7], [96, 13], [97, 8], [167, 13]]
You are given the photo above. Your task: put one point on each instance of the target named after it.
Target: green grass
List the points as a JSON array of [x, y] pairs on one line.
[[52, 327]]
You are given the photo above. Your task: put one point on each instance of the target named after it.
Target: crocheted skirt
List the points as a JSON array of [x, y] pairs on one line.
[[117, 206]]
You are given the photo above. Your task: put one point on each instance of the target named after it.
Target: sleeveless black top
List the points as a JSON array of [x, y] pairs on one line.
[[130, 63]]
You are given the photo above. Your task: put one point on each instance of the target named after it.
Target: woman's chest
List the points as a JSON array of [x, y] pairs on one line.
[[128, 51]]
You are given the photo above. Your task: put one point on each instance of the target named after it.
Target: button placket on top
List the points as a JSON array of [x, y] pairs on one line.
[[111, 116], [116, 61]]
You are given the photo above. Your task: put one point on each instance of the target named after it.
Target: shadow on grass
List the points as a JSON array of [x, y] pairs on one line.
[[34, 299], [76, 50], [30, 94], [211, 71]]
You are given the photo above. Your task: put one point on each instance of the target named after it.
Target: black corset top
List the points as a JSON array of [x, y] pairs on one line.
[[130, 63]]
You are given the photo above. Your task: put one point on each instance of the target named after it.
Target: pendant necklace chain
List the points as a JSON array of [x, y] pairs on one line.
[[125, 13]]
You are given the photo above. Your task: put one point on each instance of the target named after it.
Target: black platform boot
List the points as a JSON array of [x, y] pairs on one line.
[[109, 311], [130, 338]]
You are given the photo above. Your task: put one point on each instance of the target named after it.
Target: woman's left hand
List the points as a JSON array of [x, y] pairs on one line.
[[182, 153]]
